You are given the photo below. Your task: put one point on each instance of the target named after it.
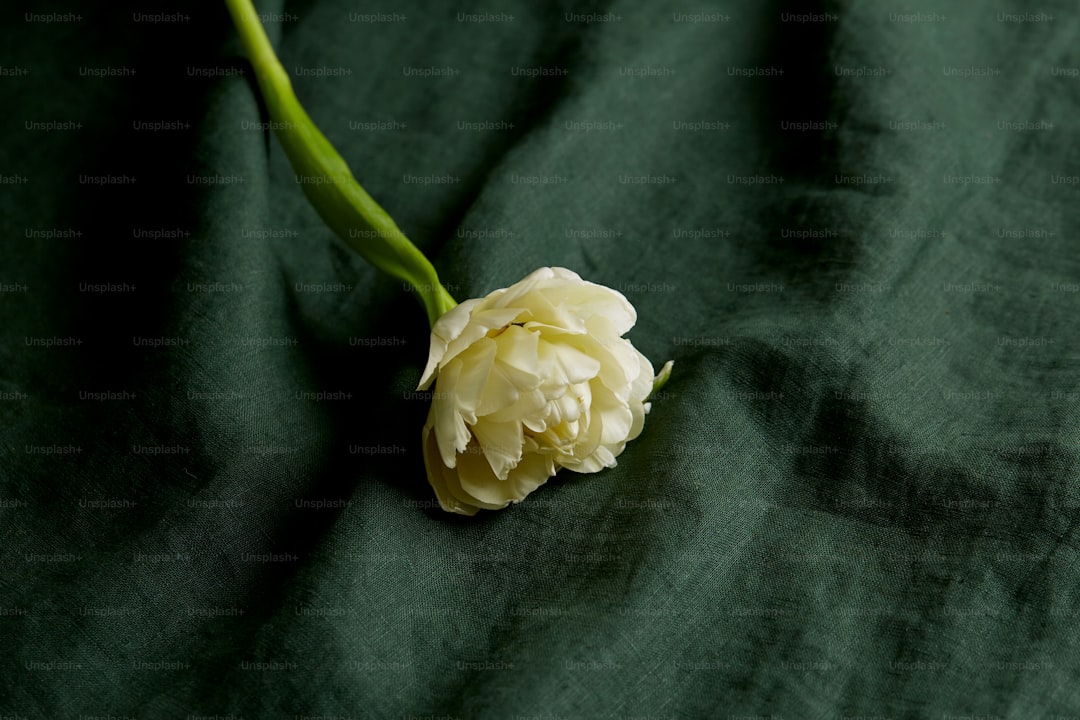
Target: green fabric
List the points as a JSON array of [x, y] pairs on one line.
[[856, 497]]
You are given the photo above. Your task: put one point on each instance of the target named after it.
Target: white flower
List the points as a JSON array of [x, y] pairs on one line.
[[532, 378]]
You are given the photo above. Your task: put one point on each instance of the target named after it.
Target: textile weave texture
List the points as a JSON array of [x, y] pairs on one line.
[[853, 227]]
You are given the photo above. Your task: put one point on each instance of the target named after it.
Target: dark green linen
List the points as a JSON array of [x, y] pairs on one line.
[[857, 496]]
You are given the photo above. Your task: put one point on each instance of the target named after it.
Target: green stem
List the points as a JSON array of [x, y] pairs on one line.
[[325, 178], [661, 379]]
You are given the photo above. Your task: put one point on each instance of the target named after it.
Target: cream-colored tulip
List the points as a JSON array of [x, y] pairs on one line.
[[532, 378]]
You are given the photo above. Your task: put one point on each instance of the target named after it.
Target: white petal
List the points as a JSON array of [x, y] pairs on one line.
[[565, 274], [639, 410], [643, 383], [500, 391], [463, 496], [590, 464], [440, 477], [563, 364], [606, 455], [569, 407], [533, 471], [450, 429], [518, 348], [481, 322], [476, 365], [548, 330], [588, 437], [446, 329], [508, 297], [549, 308], [530, 409], [619, 364], [616, 420], [578, 366], [479, 483], [501, 443], [587, 300], [534, 423]]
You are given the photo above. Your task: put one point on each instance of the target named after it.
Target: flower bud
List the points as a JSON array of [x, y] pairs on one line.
[[527, 380]]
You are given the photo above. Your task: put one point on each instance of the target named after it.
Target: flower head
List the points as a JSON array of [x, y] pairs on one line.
[[529, 379]]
